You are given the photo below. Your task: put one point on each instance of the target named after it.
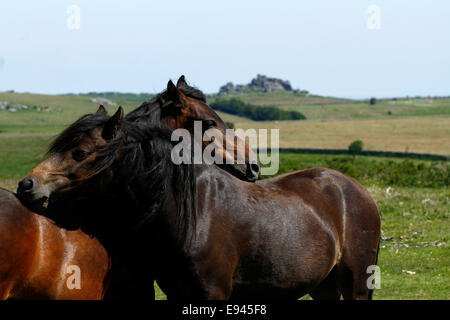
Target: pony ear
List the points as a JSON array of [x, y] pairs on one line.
[[112, 126], [181, 82], [101, 110], [173, 96]]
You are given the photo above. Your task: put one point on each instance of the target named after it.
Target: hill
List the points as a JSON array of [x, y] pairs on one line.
[[414, 125], [329, 108]]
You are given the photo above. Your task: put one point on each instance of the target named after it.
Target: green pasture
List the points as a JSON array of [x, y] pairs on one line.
[[312, 106]]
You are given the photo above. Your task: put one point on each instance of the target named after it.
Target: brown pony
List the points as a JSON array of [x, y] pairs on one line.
[[38, 259], [177, 107], [201, 232]]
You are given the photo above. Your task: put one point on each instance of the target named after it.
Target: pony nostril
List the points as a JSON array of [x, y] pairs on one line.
[[254, 167], [26, 184]]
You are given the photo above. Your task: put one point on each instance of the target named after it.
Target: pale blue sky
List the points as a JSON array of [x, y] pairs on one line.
[[136, 46]]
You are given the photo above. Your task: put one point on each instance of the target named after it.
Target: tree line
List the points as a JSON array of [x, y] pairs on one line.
[[257, 113]]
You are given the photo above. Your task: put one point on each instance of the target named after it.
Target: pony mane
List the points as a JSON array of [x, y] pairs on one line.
[[72, 135], [147, 169], [193, 92], [144, 171], [150, 111]]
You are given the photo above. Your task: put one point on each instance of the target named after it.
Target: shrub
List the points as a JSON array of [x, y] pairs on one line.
[[355, 147], [230, 125], [375, 170]]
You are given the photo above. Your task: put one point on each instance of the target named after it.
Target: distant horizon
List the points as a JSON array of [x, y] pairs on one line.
[[237, 94]]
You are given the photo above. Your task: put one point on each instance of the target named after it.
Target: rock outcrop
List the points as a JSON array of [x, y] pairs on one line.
[[15, 107], [260, 83], [103, 101]]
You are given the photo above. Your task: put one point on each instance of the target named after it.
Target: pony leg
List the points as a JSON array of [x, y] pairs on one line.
[[218, 294], [329, 288], [355, 276], [361, 244]]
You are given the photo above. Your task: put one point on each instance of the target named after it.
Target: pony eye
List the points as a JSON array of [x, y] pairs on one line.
[[79, 155], [209, 124]]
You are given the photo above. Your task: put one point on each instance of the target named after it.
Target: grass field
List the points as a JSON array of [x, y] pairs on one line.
[[327, 108], [64, 110], [412, 195], [429, 133], [382, 110], [421, 135], [415, 254]]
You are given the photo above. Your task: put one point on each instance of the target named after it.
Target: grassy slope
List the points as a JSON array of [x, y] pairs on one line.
[[65, 109], [327, 108], [282, 99]]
